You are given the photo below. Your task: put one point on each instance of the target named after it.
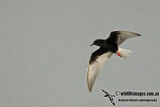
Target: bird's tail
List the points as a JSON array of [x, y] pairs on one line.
[[124, 53]]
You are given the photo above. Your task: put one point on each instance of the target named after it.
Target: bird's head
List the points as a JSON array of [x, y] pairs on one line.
[[105, 95], [98, 42]]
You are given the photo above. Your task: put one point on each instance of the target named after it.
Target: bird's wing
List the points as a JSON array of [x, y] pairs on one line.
[[111, 99], [98, 58], [121, 36], [105, 91]]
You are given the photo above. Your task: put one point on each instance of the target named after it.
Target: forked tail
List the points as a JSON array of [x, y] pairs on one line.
[[124, 53]]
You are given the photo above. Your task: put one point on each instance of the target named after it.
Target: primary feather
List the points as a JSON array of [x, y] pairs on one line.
[[123, 35], [95, 67]]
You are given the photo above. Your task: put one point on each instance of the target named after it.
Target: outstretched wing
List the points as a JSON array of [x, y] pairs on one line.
[[121, 36], [98, 58], [105, 92], [111, 99]]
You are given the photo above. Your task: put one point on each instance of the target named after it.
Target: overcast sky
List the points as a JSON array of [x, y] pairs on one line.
[[45, 51]]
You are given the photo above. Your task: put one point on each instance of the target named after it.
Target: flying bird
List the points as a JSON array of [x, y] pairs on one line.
[[107, 48], [109, 96]]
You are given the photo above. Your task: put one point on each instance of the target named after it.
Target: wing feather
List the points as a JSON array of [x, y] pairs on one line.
[[95, 67], [121, 36], [125, 35]]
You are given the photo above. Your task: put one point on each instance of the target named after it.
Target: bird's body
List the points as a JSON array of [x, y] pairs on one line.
[[107, 48], [109, 96]]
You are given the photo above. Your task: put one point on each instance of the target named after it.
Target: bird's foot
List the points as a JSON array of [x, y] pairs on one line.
[[118, 54]]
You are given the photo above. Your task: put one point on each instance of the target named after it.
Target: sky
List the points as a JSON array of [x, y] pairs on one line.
[[45, 51]]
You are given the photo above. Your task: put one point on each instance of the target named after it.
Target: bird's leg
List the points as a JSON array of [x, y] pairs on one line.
[[118, 54]]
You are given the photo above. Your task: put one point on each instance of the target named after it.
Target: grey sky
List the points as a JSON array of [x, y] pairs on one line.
[[45, 51]]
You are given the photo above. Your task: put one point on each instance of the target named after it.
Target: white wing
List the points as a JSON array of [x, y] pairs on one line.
[[94, 68], [123, 35]]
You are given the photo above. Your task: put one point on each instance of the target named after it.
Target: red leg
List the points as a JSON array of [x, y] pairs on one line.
[[118, 54]]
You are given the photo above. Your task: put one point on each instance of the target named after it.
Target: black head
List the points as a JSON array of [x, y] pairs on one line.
[[106, 96], [98, 42]]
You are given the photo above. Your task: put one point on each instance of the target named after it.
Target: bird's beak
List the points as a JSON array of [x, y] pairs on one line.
[[92, 44]]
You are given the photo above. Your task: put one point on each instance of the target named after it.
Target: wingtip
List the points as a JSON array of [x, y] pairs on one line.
[[89, 85], [89, 88], [136, 34]]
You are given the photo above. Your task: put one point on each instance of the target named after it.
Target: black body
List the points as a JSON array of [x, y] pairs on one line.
[[105, 45], [109, 96]]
